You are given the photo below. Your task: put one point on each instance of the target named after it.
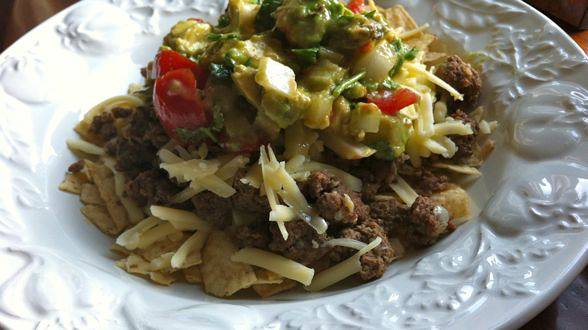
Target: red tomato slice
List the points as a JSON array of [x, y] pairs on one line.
[[196, 19], [178, 103], [390, 102], [168, 60], [356, 6]]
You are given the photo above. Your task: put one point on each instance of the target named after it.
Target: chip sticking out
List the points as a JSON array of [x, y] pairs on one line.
[[160, 247], [265, 276], [268, 290], [104, 180], [72, 183], [192, 274], [221, 276], [98, 215], [455, 200], [91, 195]]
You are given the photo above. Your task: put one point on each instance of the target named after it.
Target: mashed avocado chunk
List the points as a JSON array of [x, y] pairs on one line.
[[189, 37]]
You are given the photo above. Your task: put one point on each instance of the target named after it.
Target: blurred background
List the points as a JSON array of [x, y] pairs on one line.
[[569, 311]]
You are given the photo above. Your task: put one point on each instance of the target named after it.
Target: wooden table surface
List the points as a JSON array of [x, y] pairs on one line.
[[569, 311]]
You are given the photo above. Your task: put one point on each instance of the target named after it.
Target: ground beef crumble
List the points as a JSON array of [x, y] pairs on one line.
[[303, 245], [335, 202], [463, 77], [151, 187], [466, 144], [213, 208], [422, 227]]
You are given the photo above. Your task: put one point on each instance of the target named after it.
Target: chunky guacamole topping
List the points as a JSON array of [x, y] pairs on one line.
[[309, 61]]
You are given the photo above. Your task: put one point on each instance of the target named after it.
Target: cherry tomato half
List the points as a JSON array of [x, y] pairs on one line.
[[178, 103], [168, 60], [390, 102], [356, 6]]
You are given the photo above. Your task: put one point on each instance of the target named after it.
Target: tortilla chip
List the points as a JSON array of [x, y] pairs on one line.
[[118, 249], [265, 276], [268, 290], [221, 276], [160, 247], [104, 180], [455, 200], [193, 274], [398, 17], [421, 41], [98, 215], [161, 278], [134, 264], [433, 56], [91, 195], [72, 183]]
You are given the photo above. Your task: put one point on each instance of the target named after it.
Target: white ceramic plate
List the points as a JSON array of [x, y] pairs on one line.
[[499, 270]]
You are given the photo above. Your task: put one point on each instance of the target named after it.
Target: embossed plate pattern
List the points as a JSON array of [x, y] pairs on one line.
[[498, 270]]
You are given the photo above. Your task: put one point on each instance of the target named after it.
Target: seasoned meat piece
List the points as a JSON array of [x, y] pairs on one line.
[[391, 214], [76, 167], [423, 180], [151, 187], [341, 206], [335, 202], [213, 208], [247, 198], [144, 126], [462, 77], [131, 155], [317, 184], [375, 262], [465, 143], [253, 235], [303, 244], [376, 176], [425, 223], [103, 126]]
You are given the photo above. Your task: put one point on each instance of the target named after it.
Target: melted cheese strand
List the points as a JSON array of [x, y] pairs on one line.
[[404, 191], [275, 263], [343, 269], [180, 219]]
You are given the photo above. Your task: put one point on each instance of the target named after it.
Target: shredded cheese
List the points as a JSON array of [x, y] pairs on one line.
[[419, 68], [191, 247], [454, 127], [180, 219], [343, 269], [404, 191], [275, 263], [346, 242], [155, 234], [462, 169], [130, 238], [84, 146]]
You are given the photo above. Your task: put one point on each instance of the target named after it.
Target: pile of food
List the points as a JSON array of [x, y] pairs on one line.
[[297, 142]]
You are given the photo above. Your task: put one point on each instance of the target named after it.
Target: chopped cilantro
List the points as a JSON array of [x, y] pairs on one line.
[[199, 134], [307, 55], [347, 84], [265, 16], [371, 14], [222, 36], [390, 84], [403, 53], [383, 150]]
